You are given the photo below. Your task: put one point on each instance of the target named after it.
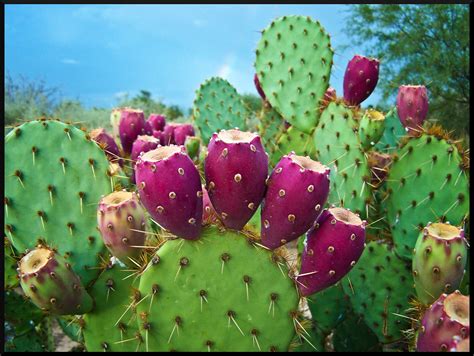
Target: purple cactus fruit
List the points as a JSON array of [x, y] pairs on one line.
[[209, 215], [121, 221], [155, 122], [447, 317], [132, 124], [170, 189], [236, 168], [168, 134], [108, 144], [259, 87], [143, 143], [332, 248], [49, 281], [360, 79], [159, 135], [412, 106], [297, 189], [182, 131]]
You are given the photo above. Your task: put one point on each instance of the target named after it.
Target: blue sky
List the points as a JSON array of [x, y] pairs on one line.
[[96, 53]]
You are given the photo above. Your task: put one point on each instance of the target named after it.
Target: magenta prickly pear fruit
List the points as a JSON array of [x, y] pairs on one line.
[[155, 122], [132, 124], [108, 144], [446, 318], [209, 215], [180, 133], [48, 280], [259, 87], [121, 221], [143, 144], [236, 168], [333, 246], [160, 136], [360, 79], [412, 106], [297, 190], [170, 189], [168, 134], [439, 259]]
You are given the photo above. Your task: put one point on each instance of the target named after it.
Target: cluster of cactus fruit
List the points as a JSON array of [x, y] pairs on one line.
[[172, 241]]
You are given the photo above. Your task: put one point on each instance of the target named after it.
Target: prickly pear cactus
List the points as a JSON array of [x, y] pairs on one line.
[[353, 335], [113, 324], [392, 133], [380, 287], [217, 107], [292, 140], [218, 293], [427, 182], [293, 63], [338, 146], [329, 307], [54, 177]]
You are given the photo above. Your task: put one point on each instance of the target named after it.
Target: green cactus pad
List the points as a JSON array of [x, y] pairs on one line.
[[201, 301], [9, 266], [293, 140], [328, 307], [392, 134], [426, 183], [379, 287], [338, 147], [312, 342], [270, 127], [51, 201], [293, 64], [353, 335], [218, 106], [112, 321]]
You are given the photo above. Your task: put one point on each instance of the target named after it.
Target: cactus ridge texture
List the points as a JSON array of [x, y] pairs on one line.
[[426, 182], [112, 325], [439, 261], [380, 286], [232, 296], [54, 177], [218, 106], [293, 63], [338, 146]]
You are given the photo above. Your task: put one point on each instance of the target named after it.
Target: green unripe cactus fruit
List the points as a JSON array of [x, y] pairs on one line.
[[371, 128], [48, 280], [439, 260], [293, 63], [192, 145], [217, 107], [392, 133], [220, 292]]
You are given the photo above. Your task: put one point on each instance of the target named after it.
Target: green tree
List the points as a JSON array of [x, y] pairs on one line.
[[419, 44]]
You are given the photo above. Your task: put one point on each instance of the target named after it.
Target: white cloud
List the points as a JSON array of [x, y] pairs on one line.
[[224, 71], [121, 94], [69, 61]]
